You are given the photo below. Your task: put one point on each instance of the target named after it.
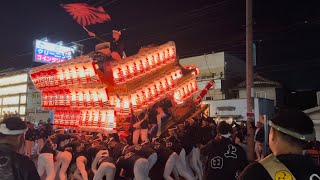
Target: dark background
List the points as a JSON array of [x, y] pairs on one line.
[[286, 32]]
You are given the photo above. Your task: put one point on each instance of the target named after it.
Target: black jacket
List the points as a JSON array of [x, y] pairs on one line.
[[14, 166], [259, 136], [302, 168], [225, 159], [118, 46]]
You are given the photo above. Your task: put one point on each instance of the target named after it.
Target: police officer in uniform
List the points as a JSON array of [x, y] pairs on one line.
[[289, 133], [225, 158]]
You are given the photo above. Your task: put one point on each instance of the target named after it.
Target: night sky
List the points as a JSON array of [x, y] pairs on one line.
[[286, 32]]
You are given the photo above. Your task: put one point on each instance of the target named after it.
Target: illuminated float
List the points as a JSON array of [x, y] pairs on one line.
[[80, 95]]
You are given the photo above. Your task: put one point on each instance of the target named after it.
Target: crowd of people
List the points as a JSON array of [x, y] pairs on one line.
[[120, 155], [7, 114], [35, 137], [195, 149]]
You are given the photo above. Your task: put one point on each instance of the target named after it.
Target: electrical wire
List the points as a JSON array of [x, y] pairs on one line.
[[85, 39], [167, 35], [96, 4], [107, 4]]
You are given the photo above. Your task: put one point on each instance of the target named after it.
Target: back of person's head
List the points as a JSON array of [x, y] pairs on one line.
[[211, 122], [294, 126], [224, 128], [11, 129], [12, 126]]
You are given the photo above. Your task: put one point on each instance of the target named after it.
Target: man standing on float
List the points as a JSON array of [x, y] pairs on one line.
[[117, 45]]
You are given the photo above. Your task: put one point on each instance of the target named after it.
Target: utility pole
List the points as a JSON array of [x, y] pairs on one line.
[[249, 79]]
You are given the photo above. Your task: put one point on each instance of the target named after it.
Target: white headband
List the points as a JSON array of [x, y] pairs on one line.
[[303, 137], [6, 131], [226, 135]]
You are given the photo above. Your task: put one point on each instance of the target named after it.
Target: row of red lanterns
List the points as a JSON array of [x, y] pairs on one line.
[[75, 98], [146, 95], [156, 90], [141, 65], [96, 118], [63, 76], [194, 68], [185, 91]]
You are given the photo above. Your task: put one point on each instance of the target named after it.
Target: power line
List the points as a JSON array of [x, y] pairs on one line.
[[110, 3], [184, 15], [85, 39], [98, 3], [301, 61], [196, 12]]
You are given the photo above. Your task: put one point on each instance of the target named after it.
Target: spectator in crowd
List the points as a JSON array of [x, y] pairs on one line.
[[213, 126], [225, 158], [12, 164], [289, 133], [259, 139], [40, 133], [205, 131], [16, 114], [5, 115], [314, 144], [312, 149], [30, 138], [48, 129]]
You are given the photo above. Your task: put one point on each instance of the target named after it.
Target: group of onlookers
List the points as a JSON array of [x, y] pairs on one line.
[[35, 137]]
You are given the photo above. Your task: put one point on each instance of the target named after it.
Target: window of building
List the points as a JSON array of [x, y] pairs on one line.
[[23, 99], [22, 110], [16, 79], [10, 100], [13, 89]]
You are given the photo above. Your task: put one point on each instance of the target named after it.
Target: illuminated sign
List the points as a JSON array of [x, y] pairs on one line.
[[46, 52]]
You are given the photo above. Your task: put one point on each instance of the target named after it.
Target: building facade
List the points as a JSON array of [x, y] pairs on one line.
[[314, 114], [225, 69], [236, 109], [17, 98], [262, 88], [13, 93]]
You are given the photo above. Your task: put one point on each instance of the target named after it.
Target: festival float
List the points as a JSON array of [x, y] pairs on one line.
[[82, 96]]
